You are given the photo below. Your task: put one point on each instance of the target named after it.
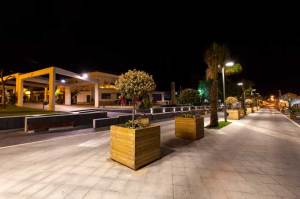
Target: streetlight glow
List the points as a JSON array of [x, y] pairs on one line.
[[63, 81], [240, 84], [84, 75], [229, 64]]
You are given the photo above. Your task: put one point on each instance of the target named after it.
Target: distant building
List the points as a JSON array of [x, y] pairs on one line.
[[108, 95], [291, 99], [56, 85]]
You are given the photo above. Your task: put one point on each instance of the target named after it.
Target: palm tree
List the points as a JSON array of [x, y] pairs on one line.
[[215, 57]]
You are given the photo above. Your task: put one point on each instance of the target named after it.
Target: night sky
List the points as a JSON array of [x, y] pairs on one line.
[[170, 46]]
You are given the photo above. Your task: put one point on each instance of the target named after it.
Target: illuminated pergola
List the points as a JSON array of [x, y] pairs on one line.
[[35, 77]]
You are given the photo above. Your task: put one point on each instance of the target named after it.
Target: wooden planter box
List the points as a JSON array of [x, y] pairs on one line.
[[234, 114], [249, 110], [189, 128], [242, 113], [135, 147]]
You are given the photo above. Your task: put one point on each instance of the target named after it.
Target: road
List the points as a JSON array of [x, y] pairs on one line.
[[256, 157]]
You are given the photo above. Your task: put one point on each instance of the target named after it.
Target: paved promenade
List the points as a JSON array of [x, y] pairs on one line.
[[256, 157]]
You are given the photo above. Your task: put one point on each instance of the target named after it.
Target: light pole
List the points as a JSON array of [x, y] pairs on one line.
[[244, 97], [253, 94], [227, 64]]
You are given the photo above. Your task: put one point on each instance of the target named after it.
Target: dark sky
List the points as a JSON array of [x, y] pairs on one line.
[[166, 43]]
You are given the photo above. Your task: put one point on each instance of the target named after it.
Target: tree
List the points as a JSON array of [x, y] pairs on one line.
[[230, 101], [236, 68], [173, 94], [189, 96], [135, 84], [203, 89], [249, 102], [248, 87], [215, 57], [4, 79]]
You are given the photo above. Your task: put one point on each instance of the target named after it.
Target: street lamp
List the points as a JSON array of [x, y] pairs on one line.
[[253, 94], [84, 75], [242, 85], [227, 64]]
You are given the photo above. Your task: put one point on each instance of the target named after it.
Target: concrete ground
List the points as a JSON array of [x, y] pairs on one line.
[[256, 157]]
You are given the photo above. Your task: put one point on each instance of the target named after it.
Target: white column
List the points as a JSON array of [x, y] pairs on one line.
[[19, 89], [67, 95], [45, 93], [52, 80], [96, 95], [163, 109], [163, 97], [151, 111]]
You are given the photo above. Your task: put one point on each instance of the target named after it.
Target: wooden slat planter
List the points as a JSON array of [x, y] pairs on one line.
[[189, 128], [249, 110], [234, 114], [242, 113], [135, 147]]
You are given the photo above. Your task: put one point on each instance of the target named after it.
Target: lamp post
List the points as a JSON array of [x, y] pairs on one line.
[[253, 94], [227, 64], [244, 97]]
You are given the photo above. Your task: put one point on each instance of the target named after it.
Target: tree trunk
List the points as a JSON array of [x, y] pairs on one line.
[[3, 95], [214, 104], [133, 111]]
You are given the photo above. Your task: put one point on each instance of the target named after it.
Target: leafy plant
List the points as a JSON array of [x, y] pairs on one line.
[[203, 90], [294, 110], [249, 101], [12, 99], [230, 101], [189, 96], [3, 80], [146, 103], [189, 115], [135, 84], [135, 124], [236, 68]]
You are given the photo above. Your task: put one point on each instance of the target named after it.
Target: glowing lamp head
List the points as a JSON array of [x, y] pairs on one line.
[[84, 75], [240, 84], [63, 81], [229, 64]]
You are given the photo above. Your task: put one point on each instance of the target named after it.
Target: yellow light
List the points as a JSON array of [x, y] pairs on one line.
[[108, 86], [27, 92]]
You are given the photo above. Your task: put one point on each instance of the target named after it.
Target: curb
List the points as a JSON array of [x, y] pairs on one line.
[[292, 121]]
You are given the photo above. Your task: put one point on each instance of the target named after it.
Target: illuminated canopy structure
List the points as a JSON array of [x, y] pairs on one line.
[[37, 78]]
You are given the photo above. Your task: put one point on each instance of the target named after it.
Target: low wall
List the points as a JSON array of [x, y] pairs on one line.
[[41, 123], [102, 122], [12, 122]]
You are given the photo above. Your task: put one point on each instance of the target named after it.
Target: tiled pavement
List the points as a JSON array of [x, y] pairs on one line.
[[257, 157]]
